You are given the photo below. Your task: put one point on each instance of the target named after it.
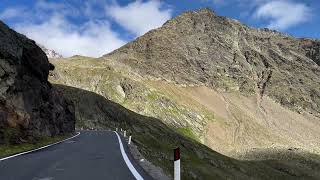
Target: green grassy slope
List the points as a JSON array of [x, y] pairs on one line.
[[98, 76]]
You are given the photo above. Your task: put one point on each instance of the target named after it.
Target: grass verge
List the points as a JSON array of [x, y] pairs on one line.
[[8, 150]]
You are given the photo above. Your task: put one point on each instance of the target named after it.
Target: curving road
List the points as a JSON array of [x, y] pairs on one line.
[[93, 155]]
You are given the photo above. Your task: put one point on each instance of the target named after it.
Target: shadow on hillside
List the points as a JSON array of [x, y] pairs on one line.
[[156, 140], [292, 161]]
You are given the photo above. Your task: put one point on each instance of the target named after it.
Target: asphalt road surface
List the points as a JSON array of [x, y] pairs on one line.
[[93, 155]]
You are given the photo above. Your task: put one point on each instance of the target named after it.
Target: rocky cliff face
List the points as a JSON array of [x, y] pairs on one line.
[[201, 48], [29, 106]]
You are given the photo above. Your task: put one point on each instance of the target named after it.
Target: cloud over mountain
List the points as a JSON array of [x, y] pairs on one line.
[[93, 38], [139, 17], [283, 14], [85, 28]]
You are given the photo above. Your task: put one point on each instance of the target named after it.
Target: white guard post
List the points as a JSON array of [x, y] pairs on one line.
[[129, 142], [125, 133], [177, 164]]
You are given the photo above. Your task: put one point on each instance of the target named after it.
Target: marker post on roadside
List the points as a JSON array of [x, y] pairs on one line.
[[129, 142], [177, 164]]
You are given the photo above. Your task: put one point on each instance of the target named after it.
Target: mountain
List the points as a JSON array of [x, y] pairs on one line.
[[250, 94], [50, 53], [30, 108], [203, 49]]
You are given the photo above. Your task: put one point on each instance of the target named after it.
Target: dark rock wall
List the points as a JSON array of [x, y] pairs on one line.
[[29, 106]]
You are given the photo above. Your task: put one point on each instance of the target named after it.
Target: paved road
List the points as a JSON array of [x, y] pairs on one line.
[[93, 155]]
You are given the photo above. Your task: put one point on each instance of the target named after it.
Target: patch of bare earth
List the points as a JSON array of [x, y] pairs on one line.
[[242, 124]]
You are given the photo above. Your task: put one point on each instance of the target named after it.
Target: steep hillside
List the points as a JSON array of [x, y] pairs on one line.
[[229, 123], [97, 76], [155, 141], [30, 107]]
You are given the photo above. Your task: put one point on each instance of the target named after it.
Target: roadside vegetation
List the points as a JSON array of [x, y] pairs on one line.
[[11, 149]]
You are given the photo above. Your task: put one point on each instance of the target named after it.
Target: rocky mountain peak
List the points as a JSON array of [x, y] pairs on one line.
[[202, 12], [191, 18], [201, 48]]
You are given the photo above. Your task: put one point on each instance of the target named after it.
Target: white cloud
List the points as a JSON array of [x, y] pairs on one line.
[[51, 25], [46, 9], [282, 15], [139, 17], [94, 38], [71, 27], [11, 13]]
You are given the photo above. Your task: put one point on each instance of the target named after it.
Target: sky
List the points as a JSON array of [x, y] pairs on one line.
[[97, 27]]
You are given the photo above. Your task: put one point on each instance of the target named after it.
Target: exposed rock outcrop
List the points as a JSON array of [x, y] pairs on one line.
[[29, 106]]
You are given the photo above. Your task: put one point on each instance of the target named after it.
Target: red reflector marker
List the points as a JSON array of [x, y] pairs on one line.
[[177, 164]]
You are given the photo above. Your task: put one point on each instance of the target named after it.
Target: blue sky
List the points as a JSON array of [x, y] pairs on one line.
[[96, 27]]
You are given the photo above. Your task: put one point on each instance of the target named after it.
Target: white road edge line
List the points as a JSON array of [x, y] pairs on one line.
[[127, 160], [19, 154]]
